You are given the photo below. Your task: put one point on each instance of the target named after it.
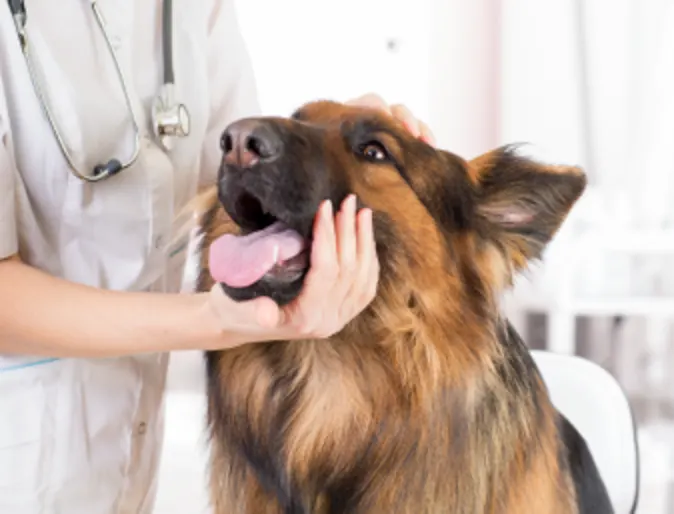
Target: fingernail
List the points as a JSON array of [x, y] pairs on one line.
[[327, 209], [352, 203], [349, 203], [364, 216]]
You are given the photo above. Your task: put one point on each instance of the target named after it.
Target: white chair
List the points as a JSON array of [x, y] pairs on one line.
[[593, 401]]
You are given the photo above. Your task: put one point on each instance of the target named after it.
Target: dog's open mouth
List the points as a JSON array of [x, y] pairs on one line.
[[268, 248]]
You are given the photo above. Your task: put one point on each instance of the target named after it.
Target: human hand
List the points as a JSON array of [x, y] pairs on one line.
[[417, 127], [341, 282]]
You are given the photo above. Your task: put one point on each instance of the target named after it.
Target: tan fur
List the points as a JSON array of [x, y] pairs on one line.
[[416, 340]]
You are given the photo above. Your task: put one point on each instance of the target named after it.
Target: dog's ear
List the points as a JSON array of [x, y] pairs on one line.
[[520, 204]]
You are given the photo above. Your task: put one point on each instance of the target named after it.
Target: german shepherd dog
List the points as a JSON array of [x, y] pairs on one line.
[[428, 402]]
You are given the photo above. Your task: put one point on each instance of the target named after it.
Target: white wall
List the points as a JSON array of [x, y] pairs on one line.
[[464, 78], [439, 57], [304, 50]]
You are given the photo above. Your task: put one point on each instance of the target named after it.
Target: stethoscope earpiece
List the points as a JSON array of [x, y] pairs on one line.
[[169, 119]]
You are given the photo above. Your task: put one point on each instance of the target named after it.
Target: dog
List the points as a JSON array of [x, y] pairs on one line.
[[428, 402]]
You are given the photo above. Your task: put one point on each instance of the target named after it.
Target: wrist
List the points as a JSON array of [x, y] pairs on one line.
[[198, 326], [202, 327]]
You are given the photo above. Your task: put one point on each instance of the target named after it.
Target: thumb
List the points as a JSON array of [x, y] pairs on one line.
[[256, 316]]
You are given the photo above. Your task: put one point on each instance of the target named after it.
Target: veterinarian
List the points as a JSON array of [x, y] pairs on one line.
[[95, 163]]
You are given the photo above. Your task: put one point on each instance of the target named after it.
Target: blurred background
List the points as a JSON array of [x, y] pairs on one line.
[[587, 82]]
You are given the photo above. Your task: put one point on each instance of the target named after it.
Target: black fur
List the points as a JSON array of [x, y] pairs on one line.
[[521, 372], [518, 201], [281, 292], [590, 489], [292, 197], [448, 196], [291, 189], [261, 451]]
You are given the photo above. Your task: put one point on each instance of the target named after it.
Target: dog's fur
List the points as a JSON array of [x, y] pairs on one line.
[[428, 402]]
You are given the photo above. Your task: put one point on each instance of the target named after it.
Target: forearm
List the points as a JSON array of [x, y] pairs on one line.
[[43, 315]]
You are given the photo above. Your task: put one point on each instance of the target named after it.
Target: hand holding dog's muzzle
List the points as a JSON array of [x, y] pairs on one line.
[[343, 277], [341, 282]]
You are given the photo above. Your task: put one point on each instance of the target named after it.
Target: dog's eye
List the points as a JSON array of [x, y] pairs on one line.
[[374, 151]]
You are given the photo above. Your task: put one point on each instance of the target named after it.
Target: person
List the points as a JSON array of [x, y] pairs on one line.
[[88, 274]]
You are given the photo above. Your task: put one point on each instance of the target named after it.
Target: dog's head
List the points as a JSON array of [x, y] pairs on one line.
[[436, 215]]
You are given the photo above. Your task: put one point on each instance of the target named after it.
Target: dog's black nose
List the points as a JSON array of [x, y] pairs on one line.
[[247, 142]]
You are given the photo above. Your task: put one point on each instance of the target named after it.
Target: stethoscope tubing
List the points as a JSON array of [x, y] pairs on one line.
[[113, 166]]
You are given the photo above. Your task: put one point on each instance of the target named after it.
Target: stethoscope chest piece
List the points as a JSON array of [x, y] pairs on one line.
[[170, 119]]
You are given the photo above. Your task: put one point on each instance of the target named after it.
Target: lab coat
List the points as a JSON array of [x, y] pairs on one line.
[[83, 436]]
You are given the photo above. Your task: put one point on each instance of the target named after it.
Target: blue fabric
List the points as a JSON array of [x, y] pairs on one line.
[[27, 365]]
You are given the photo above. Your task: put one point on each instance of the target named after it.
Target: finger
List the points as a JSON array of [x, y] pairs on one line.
[[426, 133], [322, 273], [368, 258], [250, 318], [369, 280], [348, 263], [370, 100], [365, 235], [404, 115], [355, 300], [346, 238], [324, 268], [324, 247], [268, 315], [374, 273]]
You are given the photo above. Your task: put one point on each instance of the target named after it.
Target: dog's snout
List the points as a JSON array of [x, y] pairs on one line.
[[247, 142]]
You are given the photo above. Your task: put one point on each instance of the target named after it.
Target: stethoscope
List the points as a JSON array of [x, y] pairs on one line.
[[170, 119]]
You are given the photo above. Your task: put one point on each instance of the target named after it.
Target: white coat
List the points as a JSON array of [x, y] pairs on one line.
[[83, 436]]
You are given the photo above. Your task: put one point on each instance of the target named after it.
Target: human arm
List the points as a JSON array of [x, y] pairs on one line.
[[44, 315]]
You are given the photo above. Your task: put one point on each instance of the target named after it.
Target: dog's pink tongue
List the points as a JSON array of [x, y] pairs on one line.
[[240, 261]]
